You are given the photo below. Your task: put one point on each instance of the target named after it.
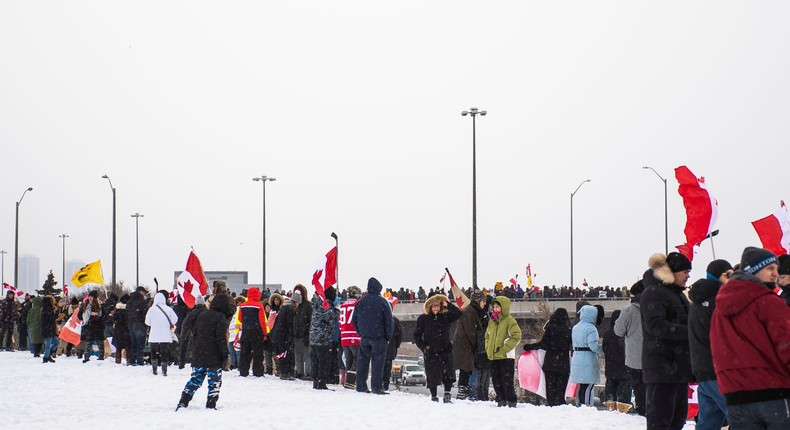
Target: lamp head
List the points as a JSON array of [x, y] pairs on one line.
[[483, 113], [105, 177], [30, 189], [464, 113]]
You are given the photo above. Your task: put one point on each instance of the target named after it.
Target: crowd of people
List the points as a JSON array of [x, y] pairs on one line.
[[731, 338]]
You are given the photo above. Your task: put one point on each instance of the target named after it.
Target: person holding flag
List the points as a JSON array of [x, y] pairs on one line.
[[8, 311], [322, 325]]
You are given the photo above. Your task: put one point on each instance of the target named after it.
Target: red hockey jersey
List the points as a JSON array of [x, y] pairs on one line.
[[348, 336]]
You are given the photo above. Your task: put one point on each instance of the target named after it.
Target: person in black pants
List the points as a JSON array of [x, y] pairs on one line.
[[618, 384], [253, 323], [556, 341]]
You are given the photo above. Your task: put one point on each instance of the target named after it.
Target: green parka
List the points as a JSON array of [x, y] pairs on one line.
[[503, 333], [34, 322]]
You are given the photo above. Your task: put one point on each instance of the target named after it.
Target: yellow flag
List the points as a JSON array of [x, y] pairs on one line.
[[88, 274]]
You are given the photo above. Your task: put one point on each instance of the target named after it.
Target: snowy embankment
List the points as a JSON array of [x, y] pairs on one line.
[[38, 396]]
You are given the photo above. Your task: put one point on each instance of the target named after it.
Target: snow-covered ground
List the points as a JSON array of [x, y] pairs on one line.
[[103, 394]]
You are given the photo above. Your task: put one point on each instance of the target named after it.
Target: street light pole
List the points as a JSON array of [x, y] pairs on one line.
[[2, 272], [137, 217], [573, 194], [264, 179], [666, 218], [16, 240], [63, 280], [473, 112], [113, 228]]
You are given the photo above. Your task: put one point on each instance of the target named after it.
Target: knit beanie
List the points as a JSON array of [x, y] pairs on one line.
[[678, 262], [716, 268], [755, 259], [478, 296], [637, 288], [296, 297], [354, 291], [784, 264]]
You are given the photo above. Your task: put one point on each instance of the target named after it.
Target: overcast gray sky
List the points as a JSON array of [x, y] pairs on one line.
[[354, 106]]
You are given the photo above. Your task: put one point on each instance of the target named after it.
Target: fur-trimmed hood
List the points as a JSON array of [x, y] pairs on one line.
[[276, 296], [437, 299], [661, 270]]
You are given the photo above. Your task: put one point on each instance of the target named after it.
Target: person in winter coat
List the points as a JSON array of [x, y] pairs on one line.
[[502, 336], [666, 365], [556, 341], [373, 321], [49, 328], [712, 406], [186, 335], [304, 312], [92, 316], [209, 353], [234, 338], [618, 385], [465, 343], [253, 334], [392, 348], [136, 311], [349, 338], [24, 308], [322, 325], [282, 337], [8, 315], [584, 363], [121, 339], [161, 319], [629, 326], [34, 327], [750, 334], [783, 281], [432, 337]]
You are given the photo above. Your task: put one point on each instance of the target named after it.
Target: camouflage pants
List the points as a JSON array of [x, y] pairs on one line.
[[199, 375]]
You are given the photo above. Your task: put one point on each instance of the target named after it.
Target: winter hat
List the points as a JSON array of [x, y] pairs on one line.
[[354, 291], [678, 262], [638, 288], [784, 264], [296, 297], [716, 268], [755, 259], [330, 294], [94, 294], [199, 300], [478, 296]]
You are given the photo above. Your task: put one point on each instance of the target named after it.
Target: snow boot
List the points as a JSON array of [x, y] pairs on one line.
[[610, 405], [184, 402], [435, 399], [501, 403], [87, 357], [322, 386], [51, 359], [623, 407], [154, 365], [351, 380], [315, 384], [164, 369], [343, 377], [211, 402], [511, 404], [45, 361], [463, 392], [448, 396]]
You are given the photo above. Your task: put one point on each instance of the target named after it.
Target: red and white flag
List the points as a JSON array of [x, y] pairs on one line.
[[460, 298], [693, 408], [173, 295], [72, 330], [514, 281], [325, 274], [774, 231], [441, 281], [393, 301], [65, 290], [19, 294], [701, 210], [192, 282], [584, 282]]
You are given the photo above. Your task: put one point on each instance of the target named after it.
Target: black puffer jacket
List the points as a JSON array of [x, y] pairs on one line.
[[48, 325], [703, 303], [614, 352], [556, 341], [665, 347], [282, 334], [211, 328], [136, 309]]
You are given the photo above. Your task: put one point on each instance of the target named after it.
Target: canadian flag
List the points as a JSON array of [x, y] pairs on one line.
[[393, 301], [325, 274], [584, 282], [441, 281], [72, 330], [514, 281], [173, 295], [19, 294], [701, 210], [460, 298], [774, 231], [693, 409], [192, 282], [65, 290]]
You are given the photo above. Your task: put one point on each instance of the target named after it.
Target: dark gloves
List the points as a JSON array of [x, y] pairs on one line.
[[530, 347]]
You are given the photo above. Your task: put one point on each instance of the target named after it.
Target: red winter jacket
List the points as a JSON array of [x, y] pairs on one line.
[[750, 342]]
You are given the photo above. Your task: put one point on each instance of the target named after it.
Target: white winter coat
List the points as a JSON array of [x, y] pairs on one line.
[[160, 327]]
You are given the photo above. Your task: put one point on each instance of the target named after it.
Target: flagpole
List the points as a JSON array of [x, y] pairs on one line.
[[712, 248], [64, 236], [337, 261]]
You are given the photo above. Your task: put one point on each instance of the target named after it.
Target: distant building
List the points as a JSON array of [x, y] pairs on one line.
[[237, 281], [29, 274]]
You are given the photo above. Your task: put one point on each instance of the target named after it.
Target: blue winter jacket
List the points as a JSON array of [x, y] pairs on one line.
[[584, 363], [372, 315]]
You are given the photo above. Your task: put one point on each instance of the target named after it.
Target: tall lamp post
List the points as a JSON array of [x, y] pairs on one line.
[[113, 227], [473, 112], [63, 280], [666, 218], [16, 239], [573, 194], [263, 180], [137, 217], [2, 272]]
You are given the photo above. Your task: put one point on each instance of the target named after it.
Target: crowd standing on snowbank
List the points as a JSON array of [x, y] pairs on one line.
[[731, 337]]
